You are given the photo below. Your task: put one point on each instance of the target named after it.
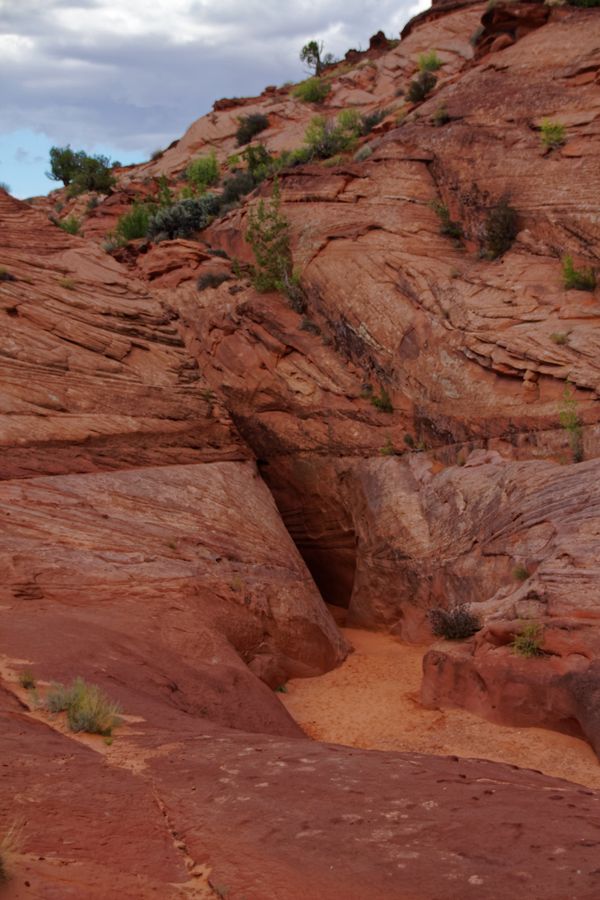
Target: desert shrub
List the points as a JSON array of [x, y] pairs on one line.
[[250, 126], [134, 224], [182, 219], [258, 161], [203, 171], [5, 275], [570, 421], [87, 708], [370, 120], [430, 62], [553, 134], [71, 225], [363, 153], [454, 624], [64, 164], [212, 280], [447, 225], [156, 154], [528, 641], [27, 679], [382, 401], [520, 573], [326, 137], [236, 187], [500, 229], [421, 86], [577, 279], [441, 116], [474, 39], [559, 337], [313, 90], [268, 234]]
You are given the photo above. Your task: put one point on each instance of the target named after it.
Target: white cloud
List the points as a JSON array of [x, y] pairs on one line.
[[136, 74]]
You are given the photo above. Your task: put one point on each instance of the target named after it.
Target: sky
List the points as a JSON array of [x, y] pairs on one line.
[[127, 77]]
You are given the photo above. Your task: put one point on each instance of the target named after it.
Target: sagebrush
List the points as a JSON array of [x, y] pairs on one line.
[[454, 624]]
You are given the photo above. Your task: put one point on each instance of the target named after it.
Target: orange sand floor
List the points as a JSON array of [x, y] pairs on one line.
[[372, 701]]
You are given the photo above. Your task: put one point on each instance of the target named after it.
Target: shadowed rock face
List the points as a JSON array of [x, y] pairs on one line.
[[172, 460]]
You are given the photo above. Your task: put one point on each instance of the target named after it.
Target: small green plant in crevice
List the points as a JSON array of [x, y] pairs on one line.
[[570, 421], [455, 624], [577, 279], [388, 448], [313, 90], [268, 234], [250, 126], [27, 679], [382, 401], [281, 689], [421, 86], [203, 172], [552, 134], [527, 642], [447, 225], [87, 708], [559, 337], [430, 62], [501, 229], [520, 572], [67, 283], [441, 116], [71, 225]]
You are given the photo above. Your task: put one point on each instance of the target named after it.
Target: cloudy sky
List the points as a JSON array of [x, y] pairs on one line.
[[126, 77]]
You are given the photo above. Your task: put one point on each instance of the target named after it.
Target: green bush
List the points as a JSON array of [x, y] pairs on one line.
[[430, 62], [71, 225], [421, 86], [134, 224], [258, 161], [250, 126], [92, 173], [313, 90], [568, 417], [236, 187], [27, 679], [87, 708], [382, 401], [501, 229], [203, 171], [528, 641], [268, 234], [520, 572], [184, 218], [368, 121], [553, 134], [455, 624], [447, 225], [441, 116], [326, 137], [577, 279]]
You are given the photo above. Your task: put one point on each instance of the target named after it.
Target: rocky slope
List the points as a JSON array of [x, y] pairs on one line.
[[187, 474]]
